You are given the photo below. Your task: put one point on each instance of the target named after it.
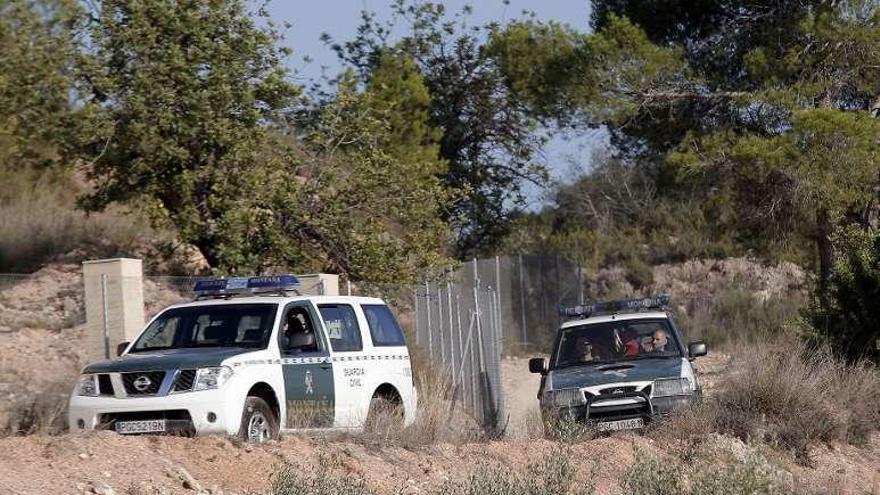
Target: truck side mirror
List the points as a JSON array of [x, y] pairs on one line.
[[538, 365], [697, 348], [120, 348]]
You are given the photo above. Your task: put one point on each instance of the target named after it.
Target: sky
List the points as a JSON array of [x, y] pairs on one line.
[[340, 19]]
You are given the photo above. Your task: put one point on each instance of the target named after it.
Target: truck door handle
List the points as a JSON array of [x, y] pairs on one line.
[[325, 365]]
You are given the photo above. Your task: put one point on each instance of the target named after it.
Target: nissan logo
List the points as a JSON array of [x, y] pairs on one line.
[[142, 383]]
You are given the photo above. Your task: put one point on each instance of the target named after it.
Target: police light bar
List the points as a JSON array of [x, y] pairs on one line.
[[245, 285], [656, 302]]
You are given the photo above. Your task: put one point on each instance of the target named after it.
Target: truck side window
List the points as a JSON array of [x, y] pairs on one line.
[[342, 327], [384, 329]]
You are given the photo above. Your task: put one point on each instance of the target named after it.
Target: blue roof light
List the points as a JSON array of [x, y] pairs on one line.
[[245, 285], [656, 302]]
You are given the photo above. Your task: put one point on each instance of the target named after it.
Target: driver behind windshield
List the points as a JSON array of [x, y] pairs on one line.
[[618, 341]]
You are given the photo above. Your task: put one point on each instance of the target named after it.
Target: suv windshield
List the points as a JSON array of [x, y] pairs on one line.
[[615, 341], [226, 325]]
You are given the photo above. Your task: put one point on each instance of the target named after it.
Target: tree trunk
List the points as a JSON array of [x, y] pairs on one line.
[[826, 255], [208, 248]]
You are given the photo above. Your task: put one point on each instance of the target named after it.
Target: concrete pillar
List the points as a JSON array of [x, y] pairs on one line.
[[114, 287], [319, 284]]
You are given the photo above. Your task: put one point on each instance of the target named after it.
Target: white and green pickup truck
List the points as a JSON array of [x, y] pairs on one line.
[[251, 358]]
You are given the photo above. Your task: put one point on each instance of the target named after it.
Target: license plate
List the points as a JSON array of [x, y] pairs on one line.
[[149, 426], [624, 424]]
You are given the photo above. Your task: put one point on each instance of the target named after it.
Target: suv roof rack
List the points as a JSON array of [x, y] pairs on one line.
[[224, 288], [613, 307]]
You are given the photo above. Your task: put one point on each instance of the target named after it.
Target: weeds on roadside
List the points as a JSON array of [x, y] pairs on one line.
[[289, 480], [43, 412], [554, 476], [752, 474], [791, 396]]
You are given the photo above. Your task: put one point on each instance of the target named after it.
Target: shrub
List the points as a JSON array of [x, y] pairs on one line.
[[751, 474], [42, 412], [848, 319], [554, 476], [790, 395], [440, 417], [739, 315], [41, 222], [289, 480]]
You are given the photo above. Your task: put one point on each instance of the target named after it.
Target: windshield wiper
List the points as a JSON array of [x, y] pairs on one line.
[[585, 363]]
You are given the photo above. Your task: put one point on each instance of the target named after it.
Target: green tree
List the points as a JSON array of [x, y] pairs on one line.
[[851, 321], [181, 95], [36, 53], [488, 138], [368, 200]]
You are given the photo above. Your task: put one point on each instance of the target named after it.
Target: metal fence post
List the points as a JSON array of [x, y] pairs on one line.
[[451, 330], [106, 312], [522, 303], [428, 318], [440, 328], [416, 315], [498, 298]]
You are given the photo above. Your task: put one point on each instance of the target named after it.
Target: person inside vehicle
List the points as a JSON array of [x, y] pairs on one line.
[[660, 341], [296, 323], [630, 344], [646, 344], [585, 350]]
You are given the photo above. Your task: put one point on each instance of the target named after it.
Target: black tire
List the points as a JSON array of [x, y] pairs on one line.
[[258, 421], [386, 413]]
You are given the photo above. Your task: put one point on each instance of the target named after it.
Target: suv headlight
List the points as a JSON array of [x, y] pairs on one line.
[[565, 397], [672, 386], [211, 378], [87, 385]]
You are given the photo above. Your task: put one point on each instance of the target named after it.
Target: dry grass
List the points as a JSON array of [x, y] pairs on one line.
[[42, 412], [440, 418], [41, 222], [787, 396]]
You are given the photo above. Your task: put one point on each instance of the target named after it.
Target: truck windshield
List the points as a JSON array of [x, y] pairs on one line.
[[221, 325], [615, 341]]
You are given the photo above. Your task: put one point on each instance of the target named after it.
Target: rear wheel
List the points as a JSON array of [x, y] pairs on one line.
[[258, 421], [386, 414]]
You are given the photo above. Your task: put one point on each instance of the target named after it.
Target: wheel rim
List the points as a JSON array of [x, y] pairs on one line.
[[258, 428]]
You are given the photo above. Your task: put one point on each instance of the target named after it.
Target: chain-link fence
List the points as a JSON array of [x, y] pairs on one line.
[[469, 319]]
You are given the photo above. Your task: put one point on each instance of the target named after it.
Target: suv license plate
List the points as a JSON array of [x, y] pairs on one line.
[[149, 426], [625, 424]]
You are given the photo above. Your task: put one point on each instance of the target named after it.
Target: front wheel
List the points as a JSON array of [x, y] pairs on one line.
[[258, 422]]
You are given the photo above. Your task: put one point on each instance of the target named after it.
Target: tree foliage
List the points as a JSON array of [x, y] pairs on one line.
[[189, 102], [487, 137], [851, 323], [36, 51]]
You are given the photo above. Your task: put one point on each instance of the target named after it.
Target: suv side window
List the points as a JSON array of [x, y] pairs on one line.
[[384, 329], [299, 319], [342, 327]]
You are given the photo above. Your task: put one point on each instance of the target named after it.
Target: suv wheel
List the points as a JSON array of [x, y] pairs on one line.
[[386, 414], [258, 423]]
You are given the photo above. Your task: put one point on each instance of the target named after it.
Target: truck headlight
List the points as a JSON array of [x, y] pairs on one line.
[[87, 385], [565, 397], [211, 378], [672, 386]]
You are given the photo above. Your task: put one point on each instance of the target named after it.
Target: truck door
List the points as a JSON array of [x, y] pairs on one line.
[[307, 368]]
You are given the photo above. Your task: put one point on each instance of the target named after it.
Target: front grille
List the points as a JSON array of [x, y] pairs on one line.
[[105, 386], [184, 380], [616, 390], [131, 381]]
